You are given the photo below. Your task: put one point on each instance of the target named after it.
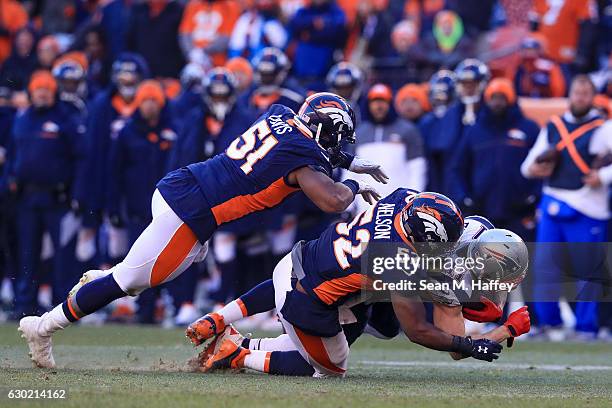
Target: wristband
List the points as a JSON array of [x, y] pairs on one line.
[[352, 184]]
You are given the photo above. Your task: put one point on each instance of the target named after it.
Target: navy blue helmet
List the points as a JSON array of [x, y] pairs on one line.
[[442, 87]]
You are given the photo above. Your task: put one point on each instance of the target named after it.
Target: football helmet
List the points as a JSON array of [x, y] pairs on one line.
[[219, 92], [345, 79], [504, 256], [192, 76], [270, 68], [127, 71], [329, 119], [431, 218], [70, 78], [471, 71], [442, 89]]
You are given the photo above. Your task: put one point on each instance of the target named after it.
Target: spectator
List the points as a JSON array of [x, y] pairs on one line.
[[108, 113], [47, 51], [200, 39], [93, 44], [153, 33], [242, 71], [319, 30], [485, 170], [411, 103], [537, 76], [70, 71], [568, 27], [433, 127], [58, 16], [17, 69], [471, 78], [191, 94], [138, 160], [423, 13], [12, 18], [256, 29], [475, 14], [271, 83], [113, 21], [574, 208], [383, 134], [446, 45], [44, 162]]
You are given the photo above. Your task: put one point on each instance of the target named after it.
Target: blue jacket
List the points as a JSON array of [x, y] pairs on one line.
[[486, 165], [46, 150], [138, 160], [315, 47], [290, 94], [183, 105]]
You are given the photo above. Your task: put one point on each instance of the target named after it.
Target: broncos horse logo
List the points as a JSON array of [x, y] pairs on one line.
[[433, 224]]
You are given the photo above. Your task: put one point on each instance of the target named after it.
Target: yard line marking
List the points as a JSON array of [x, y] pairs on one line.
[[509, 366]]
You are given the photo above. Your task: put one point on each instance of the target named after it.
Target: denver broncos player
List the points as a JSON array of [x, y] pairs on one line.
[[281, 153], [319, 277]]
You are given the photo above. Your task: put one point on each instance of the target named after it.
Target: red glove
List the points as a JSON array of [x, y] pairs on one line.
[[488, 311], [518, 323]]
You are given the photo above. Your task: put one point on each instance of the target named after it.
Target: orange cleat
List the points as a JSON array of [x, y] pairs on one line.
[[229, 355], [204, 328]]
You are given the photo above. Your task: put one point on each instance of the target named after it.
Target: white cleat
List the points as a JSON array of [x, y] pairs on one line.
[[41, 347]]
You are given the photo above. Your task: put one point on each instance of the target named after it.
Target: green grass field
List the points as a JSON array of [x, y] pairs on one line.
[[137, 366]]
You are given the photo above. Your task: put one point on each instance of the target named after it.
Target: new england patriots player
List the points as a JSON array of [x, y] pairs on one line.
[[321, 277], [281, 153], [280, 355]]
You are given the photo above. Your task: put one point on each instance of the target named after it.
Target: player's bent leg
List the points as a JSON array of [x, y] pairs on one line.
[[257, 300], [328, 355]]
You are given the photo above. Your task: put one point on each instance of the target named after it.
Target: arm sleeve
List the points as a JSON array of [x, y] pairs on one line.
[[540, 146]]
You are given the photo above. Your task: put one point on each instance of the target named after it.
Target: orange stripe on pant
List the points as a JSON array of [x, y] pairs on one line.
[[316, 349], [245, 204], [173, 255]]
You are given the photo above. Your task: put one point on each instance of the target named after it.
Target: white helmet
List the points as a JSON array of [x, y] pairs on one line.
[[503, 255]]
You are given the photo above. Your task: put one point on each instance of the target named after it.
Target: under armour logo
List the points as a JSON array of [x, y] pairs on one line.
[[483, 349]]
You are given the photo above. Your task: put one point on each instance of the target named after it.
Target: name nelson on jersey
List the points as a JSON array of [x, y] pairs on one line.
[[383, 223]]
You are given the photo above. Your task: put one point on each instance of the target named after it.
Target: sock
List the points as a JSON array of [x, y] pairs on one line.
[[259, 299], [280, 343], [53, 321], [233, 311], [258, 361], [92, 297], [289, 363]]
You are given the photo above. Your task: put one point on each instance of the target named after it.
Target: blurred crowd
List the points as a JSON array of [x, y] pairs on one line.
[[100, 98]]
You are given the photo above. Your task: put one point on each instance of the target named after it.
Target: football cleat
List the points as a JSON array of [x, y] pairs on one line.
[[41, 347], [229, 355], [204, 328], [86, 278], [213, 347]]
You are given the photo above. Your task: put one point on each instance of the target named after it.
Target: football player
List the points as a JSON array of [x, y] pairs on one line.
[[320, 277], [281, 153]]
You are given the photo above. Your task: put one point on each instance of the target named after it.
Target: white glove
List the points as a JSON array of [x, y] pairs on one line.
[[369, 194], [363, 166]]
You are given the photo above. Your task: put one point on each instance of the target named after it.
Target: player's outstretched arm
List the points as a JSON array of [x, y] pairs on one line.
[[411, 314], [327, 194]]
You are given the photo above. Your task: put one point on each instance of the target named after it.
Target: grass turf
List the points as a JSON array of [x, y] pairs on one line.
[[142, 366]]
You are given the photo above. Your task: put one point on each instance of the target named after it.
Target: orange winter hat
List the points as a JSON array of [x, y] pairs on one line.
[[380, 91], [413, 91], [240, 67], [150, 89], [42, 79], [503, 86]]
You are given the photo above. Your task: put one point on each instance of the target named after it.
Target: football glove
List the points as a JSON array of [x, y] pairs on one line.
[[369, 194], [518, 323], [363, 166], [487, 311], [480, 349]]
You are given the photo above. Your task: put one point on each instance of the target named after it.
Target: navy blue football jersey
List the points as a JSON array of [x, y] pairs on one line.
[[332, 263]]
